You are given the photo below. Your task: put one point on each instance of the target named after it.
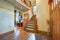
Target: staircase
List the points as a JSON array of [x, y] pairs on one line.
[[30, 27]]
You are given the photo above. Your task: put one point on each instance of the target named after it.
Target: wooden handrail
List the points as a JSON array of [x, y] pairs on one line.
[[26, 22], [35, 25]]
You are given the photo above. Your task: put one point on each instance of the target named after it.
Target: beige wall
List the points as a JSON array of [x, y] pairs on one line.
[[42, 15]]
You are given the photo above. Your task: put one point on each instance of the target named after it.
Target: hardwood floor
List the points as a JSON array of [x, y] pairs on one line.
[[19, 34]]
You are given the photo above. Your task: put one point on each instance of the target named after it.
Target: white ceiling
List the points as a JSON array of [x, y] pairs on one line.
[[17, 5]]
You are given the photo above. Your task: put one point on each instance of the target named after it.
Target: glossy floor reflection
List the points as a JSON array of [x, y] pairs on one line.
[[22, 35], [31, 37]]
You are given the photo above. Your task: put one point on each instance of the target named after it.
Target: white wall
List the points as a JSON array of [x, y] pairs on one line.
[[42, 15], [6, 17]]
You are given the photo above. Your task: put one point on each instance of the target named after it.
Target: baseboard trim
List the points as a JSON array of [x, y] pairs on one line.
[[7, 33], [43, 33]]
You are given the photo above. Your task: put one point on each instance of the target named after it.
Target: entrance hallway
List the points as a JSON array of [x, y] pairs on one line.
[[29, 19], [19, 34]]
